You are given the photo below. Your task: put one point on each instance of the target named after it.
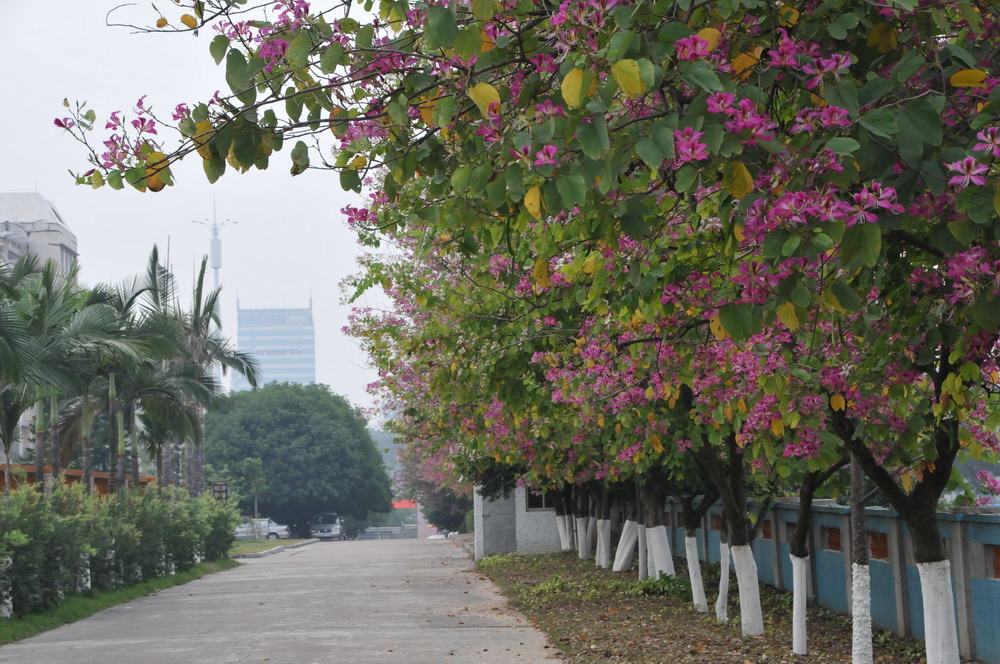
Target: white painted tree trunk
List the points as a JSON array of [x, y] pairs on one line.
[[562, 524], [722, 602], [603, 543], [800, 597], [751, 616], [861, 615], [643, 557], [582, 540], [626, 547], [694, 574], [659, 546], [940, 632], [591, 529]]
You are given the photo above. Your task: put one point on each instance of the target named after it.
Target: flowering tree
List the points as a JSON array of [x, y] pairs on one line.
[[816, 178]]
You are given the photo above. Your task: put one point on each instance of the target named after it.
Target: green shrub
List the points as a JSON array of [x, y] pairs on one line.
[[60, 544]]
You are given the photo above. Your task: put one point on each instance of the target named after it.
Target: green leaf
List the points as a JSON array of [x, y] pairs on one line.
[[298, 51], [700, 75], [300, 158], [685, 178], [218, 48], [365, 36], [845, 95], [843, 145], [649, 151], [350, 180], [880, 121], [332, 57], [846, 296], [236, 72], [440, 28], [664, 137], [115, 179], [871, 243], [572, 190], [444, 111], [741, 320], [468, 42], [593, 138], [926, 120], [634, 225], [460, 179], [485, 10], [836, 30], [214, 168]]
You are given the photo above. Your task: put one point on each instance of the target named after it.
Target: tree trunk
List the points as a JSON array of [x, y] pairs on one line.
[[85, 447], [55, 443], [629, 537], [40, 445], [694, 572], [722, 601], [134, 449], [581, 510], [603, 523], [6, 476], [861, 596], [653, 500]]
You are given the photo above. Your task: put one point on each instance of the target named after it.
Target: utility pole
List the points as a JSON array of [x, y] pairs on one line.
[[215, 243]]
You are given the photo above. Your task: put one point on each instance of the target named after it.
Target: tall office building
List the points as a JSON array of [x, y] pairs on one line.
[[282, 340]]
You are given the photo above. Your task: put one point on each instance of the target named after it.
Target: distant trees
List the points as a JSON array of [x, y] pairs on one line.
[[316, 453]]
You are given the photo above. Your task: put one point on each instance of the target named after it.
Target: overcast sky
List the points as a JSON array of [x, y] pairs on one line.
[[290, 241]]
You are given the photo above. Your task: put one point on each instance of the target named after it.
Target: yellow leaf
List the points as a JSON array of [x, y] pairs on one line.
[[627, 76], [161, 22], [968, 78], [618, 428], [883, 36], [777, 428], [715, 325], [650, 393], [339, 129], [787, 315], [533, 201], [190, 21], [488, 43], [427, 113], [657, 443], [600, 420], [483, 95], [727, 412], [202, 133], [744, 63], [738, 232], [541, 273], [788, 16], [741, 406], [711, 35], [837, 402], [359, 162], [572, 88], [588, 264], [907, 482], [422, 299], [736, 179], [153, 180]]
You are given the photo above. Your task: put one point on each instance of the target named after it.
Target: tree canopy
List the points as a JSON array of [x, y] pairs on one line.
[[317, 455]]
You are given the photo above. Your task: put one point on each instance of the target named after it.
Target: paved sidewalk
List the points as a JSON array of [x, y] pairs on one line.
[[332, 602]]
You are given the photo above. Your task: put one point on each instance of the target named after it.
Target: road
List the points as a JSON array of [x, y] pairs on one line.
[[403, 601]]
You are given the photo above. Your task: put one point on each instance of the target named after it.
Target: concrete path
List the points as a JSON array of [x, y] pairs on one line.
[[402, 601]]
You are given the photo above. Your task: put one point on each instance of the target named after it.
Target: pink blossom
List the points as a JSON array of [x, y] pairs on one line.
[[721, 102], [691, 48], [990, 144], [969, 172], [546, 156], [688, 145]]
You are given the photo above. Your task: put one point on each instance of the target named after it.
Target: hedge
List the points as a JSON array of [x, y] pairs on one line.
[[70, 543]]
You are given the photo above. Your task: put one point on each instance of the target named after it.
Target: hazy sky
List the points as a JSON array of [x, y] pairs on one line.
[[290, 241]]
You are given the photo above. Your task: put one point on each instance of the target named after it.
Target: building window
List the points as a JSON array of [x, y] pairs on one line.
[[830, 539], [993, 554], [878, 545], [716, 522], [765, 530], [539, 501], [790, 530]]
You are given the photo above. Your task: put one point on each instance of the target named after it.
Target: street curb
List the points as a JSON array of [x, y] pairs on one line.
[[277, 549]]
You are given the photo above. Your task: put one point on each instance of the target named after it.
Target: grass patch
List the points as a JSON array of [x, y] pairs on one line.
[[598, 616], [243, 547], [78, 607]]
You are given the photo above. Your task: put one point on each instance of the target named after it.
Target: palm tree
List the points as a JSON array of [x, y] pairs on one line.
[[207, 348]]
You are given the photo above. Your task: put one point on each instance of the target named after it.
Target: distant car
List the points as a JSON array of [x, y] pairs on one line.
[[327, 526], [261, 529]]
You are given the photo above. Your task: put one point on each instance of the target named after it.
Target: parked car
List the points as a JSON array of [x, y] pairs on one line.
[[326, 526], [261, 529]]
